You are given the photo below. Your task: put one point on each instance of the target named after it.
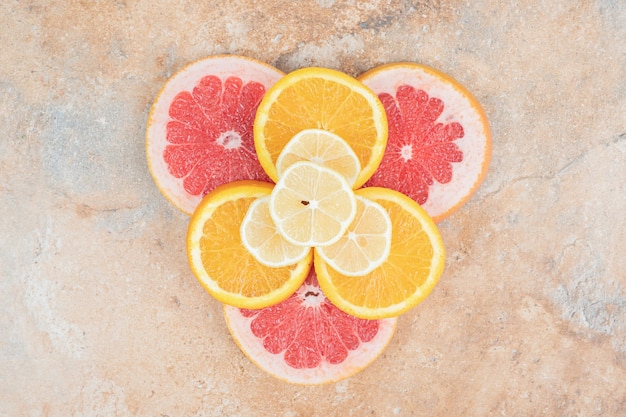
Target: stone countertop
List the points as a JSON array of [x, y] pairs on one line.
[[100, 315]]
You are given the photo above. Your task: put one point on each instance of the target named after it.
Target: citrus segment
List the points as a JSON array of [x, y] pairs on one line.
[[312, 205], [324, 99], [219, 259], [439, 145], [410, 272], [366, 243], [307, 340], [323, 148], [199, 132], [262, 240]]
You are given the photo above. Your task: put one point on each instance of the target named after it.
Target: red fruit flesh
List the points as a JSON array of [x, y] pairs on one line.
[[419, 150], [209, 135], [310, 330]]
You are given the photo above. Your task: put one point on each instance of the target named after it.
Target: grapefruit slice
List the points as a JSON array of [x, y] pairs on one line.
[[439, 144], [199, 132], [306, 340]]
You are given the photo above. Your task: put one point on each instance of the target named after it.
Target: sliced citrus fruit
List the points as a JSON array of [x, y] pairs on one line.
[[220, 261], [439, 145], [260, 237], [366, 243], [323, 148], [324, 99], [312, 205], [410, 272], [199, 132], [307, 340]]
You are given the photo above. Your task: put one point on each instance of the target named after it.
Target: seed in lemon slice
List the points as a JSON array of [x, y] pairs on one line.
[[260, 237], [325, 99], [410, 272], [439, 146], [366, 243], [323, 148], [220, 261], [312, 205]]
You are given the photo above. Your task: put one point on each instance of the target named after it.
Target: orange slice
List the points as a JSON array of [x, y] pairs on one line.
[[410, 272], [260, 237], [323, 148], [219, 259], [312, 205], [199, 132], [366, 243], [325, 99], [307, 340], [439, 145]]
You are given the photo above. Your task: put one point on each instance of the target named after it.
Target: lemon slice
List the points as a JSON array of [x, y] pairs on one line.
[[366, 243], [323, 148], [260, 237], [312, 205]]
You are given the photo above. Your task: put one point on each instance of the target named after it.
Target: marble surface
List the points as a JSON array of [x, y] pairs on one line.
[[100, 315]]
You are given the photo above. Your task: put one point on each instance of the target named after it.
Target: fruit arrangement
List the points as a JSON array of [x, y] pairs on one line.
[[314, 198]]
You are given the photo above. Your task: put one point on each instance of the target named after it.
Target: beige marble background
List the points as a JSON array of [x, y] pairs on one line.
[[100, 315]]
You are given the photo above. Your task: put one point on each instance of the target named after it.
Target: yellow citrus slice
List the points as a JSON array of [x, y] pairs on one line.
[[199, 131], [324, 99], [323, 148], [312, 205], [439, 145], [260, 237], [219, 259], [410, 272], [366, 243]]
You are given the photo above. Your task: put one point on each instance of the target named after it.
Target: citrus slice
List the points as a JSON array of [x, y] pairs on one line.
[[323, 148], [199, 132], [410, 272], [260, 237], [439, 145], [312, 205], [366, 243], [220, 261], [324, 99], [307, 340]]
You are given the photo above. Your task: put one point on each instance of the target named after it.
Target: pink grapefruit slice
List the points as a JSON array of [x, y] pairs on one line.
[[439, 145], [199, 132], [307, 340]]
